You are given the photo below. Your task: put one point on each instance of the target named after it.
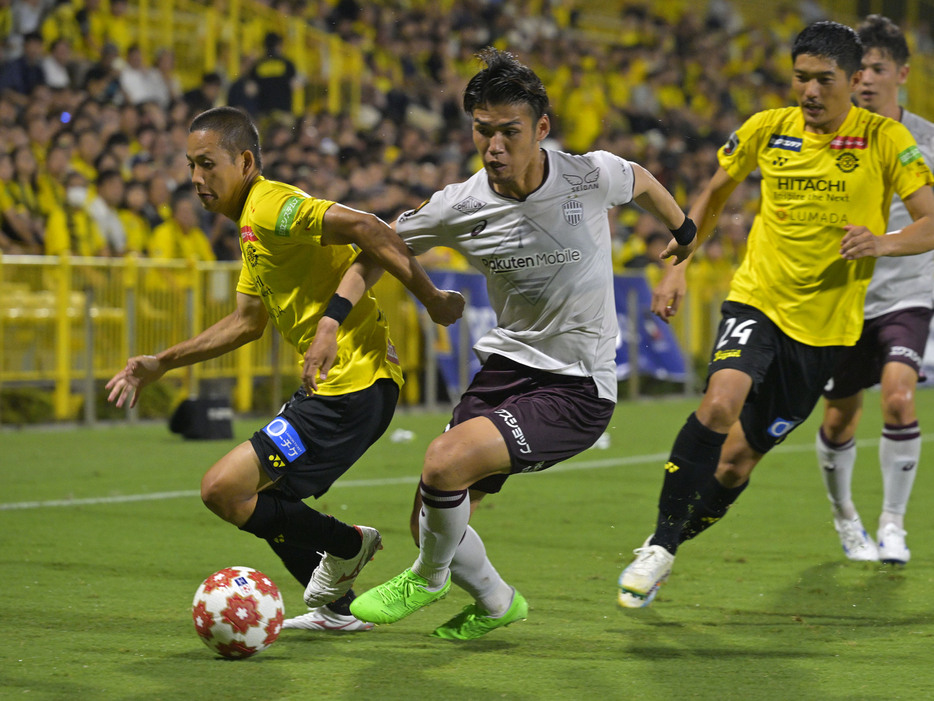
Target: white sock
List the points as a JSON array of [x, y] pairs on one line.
[[473, 572], [899, 456], [836, 463], [441, 524]]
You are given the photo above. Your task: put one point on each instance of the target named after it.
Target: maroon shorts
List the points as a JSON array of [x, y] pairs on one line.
[[897, 337], [544, 418]]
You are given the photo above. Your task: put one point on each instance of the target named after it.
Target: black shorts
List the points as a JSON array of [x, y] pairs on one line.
[[544, 418], [896, 337], [787, 376], [315, 439]]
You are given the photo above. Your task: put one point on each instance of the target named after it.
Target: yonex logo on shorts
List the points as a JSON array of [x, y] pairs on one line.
[[284, 435]]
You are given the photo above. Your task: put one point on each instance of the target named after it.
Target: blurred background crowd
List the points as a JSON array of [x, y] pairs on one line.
[[94, 110]]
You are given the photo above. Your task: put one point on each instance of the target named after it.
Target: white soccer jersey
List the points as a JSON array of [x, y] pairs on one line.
[[906, 281], [547, 261]]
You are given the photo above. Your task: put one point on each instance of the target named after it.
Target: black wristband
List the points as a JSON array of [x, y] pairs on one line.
[[685, 233], [338, 308]]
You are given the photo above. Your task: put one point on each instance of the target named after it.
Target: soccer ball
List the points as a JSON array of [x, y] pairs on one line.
[[238, 612]]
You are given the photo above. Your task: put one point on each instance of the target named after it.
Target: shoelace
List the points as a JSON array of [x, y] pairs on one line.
[[390, 592]]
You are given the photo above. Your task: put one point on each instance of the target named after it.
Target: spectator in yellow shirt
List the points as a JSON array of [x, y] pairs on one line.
[[70, 229], [180, 236], [134, 221]]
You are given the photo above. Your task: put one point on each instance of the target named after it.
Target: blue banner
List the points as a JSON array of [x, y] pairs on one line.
[[659, 353]]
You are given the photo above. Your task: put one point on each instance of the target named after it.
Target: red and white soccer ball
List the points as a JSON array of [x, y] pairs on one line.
[[238, 612]]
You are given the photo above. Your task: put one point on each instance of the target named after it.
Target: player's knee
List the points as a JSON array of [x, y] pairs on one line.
[[216, 496], [719, 412], [732, 474], [899, 407], [441, 455]]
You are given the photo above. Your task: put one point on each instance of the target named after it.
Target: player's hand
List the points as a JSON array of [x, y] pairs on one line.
[[139, 372], [321, 354], [669, 293], [679, 252], [447, 308], [860, 242]]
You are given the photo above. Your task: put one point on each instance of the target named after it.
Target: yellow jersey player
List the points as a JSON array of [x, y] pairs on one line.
[[828, 173], [301, 271]]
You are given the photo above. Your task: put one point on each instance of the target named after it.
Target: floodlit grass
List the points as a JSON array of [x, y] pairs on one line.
[[763, 606]]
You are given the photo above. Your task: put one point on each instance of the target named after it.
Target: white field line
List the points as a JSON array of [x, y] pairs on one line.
[[388, 481]]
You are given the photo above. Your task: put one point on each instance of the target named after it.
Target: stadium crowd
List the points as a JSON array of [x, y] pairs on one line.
[[93, 131]]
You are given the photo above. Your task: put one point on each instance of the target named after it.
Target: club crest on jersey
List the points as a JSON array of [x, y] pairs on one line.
[[251, 256], [787, 143], [573, 212], [847, 162], [588, 182], [469, 205]]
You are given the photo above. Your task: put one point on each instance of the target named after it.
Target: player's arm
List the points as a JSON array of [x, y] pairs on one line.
[[322, 352], [652, 196], [343, 225], [246, 323], [669, 293], [917, 237]]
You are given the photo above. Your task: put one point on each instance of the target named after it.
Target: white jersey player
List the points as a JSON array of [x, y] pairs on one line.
[[898, 313], [546, 259], [535, 223]]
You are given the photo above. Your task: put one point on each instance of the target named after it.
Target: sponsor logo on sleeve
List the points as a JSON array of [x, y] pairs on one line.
[[731, 144], [786, 143], [287, 216], [909, 155], [246, 234]]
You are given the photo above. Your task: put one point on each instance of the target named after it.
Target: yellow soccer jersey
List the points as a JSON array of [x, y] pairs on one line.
[[285, 263], [812, 186]]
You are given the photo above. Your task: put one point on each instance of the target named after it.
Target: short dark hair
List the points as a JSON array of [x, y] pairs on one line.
[[878, 32], [109, 174], [833, 41], [236, 129], [505, 81]]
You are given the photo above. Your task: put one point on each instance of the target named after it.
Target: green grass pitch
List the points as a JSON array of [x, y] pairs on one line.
[[103, 542]]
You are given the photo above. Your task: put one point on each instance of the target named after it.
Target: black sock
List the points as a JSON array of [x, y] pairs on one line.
[[293, 522], [342, 605], [712, 505], [694, 458], [299, 561]]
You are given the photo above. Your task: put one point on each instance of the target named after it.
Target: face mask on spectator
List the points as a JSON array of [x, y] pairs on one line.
[[76, 195]]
